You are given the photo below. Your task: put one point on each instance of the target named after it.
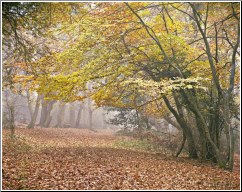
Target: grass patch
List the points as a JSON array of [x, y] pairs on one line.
[[15, 144], [135, 144]]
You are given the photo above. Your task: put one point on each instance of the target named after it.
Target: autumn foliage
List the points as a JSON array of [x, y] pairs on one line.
[[175, 61]]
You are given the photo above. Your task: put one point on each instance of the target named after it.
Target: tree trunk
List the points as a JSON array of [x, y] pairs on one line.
[[48, 120], [228, 131], [197, 112], [60, 115], [12, 119], [90, 112], [138, 119], [190, 140], [48, 114], [43, 112], [29, 105], [147, 123], [182, 144], [90, 119], [72, 118], [170, 121], [103, 118], [36, 110], [203, 141], [79, 115]]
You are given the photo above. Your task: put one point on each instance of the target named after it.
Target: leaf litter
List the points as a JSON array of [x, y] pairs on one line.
[[80, 159]]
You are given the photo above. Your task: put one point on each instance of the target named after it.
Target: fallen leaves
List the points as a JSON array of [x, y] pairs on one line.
[[74, 159]]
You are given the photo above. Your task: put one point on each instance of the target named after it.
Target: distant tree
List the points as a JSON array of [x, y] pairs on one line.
[[9, 111], [128, 119]]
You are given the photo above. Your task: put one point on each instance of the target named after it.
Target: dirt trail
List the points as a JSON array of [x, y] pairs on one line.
[[81, 159]]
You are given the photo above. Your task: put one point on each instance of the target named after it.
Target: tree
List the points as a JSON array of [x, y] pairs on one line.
[[60, 114], [35, 113], [9, 112], [78, 117], [127, 51]]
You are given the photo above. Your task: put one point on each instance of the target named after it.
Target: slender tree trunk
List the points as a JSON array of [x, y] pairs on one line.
[[182, 144], [12, 119], [90, 112], [79, 115], [103, 118], [231, 154], [138, 119], [147, 123], [29, 105], [90, 119], [170, 121], [72, 118]]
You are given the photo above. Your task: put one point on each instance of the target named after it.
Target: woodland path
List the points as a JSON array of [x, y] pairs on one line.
[[79, 159]]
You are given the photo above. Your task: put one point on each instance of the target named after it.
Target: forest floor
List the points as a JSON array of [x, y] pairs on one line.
[[79, 159]]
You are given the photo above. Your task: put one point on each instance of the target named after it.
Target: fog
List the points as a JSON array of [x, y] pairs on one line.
[[69, 112], [79, 114]]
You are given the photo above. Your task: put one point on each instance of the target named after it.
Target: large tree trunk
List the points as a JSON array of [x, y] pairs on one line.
[[187, 131], [202, 141], [43, 112], [191, 101], [192, 150], [215, 131], [48, 114], [228, 131], [36, 110], [60, 115]]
